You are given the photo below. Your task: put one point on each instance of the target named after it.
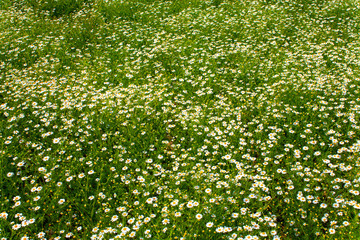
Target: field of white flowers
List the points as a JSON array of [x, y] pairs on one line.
[[171, 119]]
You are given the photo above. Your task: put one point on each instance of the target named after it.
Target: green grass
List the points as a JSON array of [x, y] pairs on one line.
[[179, 119]]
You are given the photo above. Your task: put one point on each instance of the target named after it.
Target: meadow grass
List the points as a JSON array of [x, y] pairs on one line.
[[213, 119]]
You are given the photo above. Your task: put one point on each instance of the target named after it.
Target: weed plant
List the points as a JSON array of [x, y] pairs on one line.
[[212, 119]]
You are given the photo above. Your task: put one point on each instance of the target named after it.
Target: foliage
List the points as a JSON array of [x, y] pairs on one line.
[[177, 119]]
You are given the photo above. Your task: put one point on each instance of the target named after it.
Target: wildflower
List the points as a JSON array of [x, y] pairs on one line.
[[16, 226], [209, 224], [69, 235], [174, 203], [219, 229], [166, 221], [3, 215], [41, 235], [227, 157], [323, 205], [131, 221], [317, 153]]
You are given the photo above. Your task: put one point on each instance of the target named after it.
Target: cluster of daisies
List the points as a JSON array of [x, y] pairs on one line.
[[171, 120]]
